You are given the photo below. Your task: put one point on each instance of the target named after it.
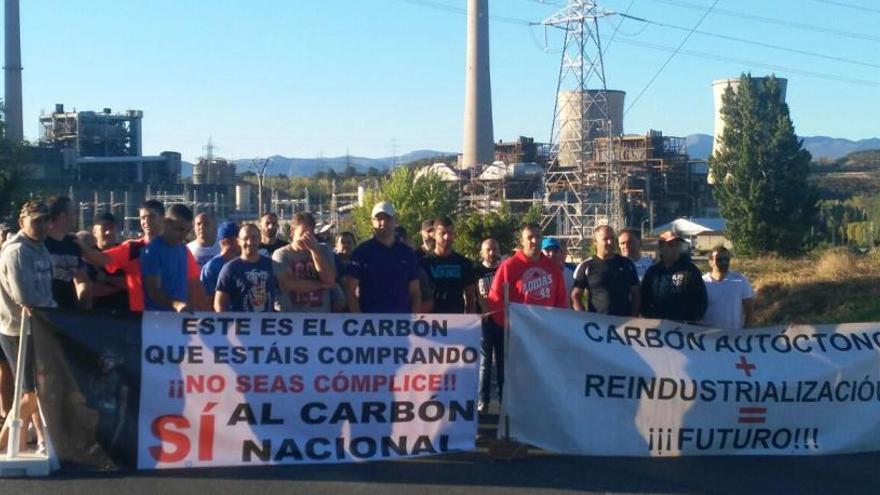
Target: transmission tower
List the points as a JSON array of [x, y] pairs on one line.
[[578, 193]]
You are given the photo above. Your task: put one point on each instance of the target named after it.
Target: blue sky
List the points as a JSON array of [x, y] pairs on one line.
[[306, 77]]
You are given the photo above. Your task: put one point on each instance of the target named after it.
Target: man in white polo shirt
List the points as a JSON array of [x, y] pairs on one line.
[[731, 298]]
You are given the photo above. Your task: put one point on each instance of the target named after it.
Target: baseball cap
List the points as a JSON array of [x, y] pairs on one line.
[[227, 230], [384, 207], [550, 243], [669, 236], [34, 209]]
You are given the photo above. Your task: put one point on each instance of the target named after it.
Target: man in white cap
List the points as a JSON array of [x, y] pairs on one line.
[[673, 289], [382, 276]]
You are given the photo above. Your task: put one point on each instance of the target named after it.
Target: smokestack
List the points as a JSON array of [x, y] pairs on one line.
[[12, 70], [478, 146]]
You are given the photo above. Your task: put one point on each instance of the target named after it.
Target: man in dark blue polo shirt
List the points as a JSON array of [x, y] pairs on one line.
[[382, 276]]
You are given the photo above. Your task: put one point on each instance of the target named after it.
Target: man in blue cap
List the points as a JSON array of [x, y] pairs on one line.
[[227, 235], [553, 249]]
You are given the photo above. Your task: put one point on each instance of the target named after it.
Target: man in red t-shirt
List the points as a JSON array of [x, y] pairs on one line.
[[126, 257], [532, 278]]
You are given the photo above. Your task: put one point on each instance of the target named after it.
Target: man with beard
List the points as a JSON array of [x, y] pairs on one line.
[[269, 241], [382, 276], [731, 300], [247, 283], [452, 275], [427, 234]]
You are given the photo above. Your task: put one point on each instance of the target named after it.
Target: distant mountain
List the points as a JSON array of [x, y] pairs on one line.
[[700, 146], [306, 167]]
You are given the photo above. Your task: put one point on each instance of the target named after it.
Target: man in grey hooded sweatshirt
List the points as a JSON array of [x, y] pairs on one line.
[[25, 282]]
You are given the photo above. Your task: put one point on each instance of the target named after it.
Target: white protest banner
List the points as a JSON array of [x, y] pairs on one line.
[[224, 389], [584, 383]]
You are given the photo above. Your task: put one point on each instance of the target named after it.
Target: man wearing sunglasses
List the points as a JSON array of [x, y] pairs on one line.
[[731, 298]]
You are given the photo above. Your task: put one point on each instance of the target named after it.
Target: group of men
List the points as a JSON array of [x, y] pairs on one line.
[[248, 268]]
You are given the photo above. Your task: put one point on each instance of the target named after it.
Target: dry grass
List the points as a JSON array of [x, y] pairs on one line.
[[834, 286]]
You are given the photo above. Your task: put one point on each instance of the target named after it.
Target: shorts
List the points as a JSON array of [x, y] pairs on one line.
[[9, 344]]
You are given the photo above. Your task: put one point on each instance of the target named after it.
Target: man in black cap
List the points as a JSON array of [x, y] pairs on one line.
[[673, 289]]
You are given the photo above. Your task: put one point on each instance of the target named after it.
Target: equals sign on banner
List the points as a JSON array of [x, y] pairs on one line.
[[752, 414]]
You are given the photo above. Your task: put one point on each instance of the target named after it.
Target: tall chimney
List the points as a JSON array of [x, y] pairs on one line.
[[478, 146], [12, 71]]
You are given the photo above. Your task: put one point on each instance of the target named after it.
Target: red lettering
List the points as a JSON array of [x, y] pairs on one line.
[[206, 433], [161, 429]]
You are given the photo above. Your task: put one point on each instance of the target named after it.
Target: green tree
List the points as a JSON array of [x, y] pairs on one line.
[[761, 172], [12, 172], [472, 227], [415, 197]]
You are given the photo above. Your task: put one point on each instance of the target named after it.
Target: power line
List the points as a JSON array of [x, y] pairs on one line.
[[849, 6], [757, 43], [739, 61], [458, 10], [692, 53], [778, 22], [671, 56]]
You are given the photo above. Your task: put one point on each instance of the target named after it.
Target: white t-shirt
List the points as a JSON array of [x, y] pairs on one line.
[[203, 254], [725, 300]]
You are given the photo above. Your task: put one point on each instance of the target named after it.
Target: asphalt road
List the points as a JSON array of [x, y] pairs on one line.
[[476, 472]]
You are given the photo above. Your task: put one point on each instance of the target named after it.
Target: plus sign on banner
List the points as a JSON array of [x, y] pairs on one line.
[[660, 388]]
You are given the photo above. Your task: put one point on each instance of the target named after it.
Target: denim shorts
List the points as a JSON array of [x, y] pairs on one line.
[[10, 347]]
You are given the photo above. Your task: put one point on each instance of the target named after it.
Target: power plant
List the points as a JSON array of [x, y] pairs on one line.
[[589, 172]]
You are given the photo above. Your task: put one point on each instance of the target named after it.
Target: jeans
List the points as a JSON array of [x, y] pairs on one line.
[[491, 345]]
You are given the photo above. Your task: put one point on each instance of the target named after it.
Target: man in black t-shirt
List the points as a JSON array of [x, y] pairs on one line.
[[610, 280], [70, 282], [452, 275], [269, 241]]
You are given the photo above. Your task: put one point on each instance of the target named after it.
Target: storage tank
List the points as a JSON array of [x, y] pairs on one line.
[[243, 197], [570, 108], [719, 87], [200, 172], [226, 173]]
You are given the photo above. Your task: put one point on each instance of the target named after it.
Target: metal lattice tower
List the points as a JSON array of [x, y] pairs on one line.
[[578, 193]]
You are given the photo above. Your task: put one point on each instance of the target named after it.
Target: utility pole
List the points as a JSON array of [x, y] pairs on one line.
[[259, 166], [578, 194]]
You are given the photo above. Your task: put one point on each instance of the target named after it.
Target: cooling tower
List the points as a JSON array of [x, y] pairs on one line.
[[571, 107], [718, 89], [478, 145]]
